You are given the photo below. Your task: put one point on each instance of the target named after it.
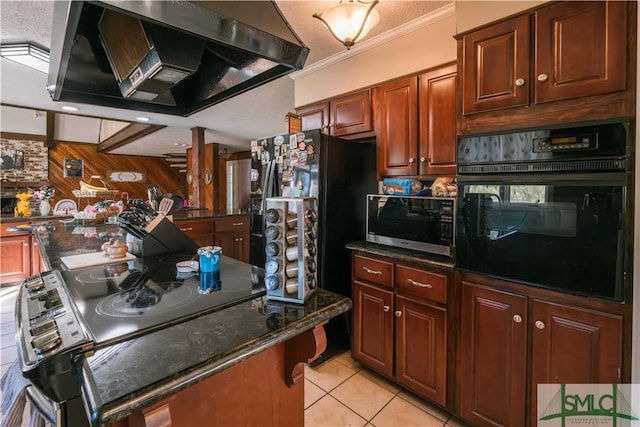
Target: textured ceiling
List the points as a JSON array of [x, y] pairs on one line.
[[232, 123]]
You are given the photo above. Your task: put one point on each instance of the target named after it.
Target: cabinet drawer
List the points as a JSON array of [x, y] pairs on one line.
[[236, 223], [195, 227], [422, 283], [373, 270]]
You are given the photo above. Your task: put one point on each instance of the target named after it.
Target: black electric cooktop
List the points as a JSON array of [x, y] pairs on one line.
[[128, 299]]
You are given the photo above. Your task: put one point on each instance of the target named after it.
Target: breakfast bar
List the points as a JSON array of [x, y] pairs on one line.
[[204, 367]]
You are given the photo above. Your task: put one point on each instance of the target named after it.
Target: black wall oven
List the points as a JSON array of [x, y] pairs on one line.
[[548, 208]]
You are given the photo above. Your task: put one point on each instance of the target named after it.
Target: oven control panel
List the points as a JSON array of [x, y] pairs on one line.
[[47, 322]]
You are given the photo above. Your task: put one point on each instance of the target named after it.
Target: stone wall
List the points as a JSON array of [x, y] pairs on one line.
[[36, 162]]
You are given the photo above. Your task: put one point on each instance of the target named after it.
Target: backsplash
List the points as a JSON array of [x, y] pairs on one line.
[[36, 161]]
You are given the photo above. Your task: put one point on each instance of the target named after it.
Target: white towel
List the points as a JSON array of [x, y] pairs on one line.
[[13, 386]]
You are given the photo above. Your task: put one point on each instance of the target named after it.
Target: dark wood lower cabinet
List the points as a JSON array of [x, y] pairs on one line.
[[493, 357], [373, 327], [509, 340], [421, 337], [400, 324]]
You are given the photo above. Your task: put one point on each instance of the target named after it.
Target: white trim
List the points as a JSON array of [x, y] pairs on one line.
[[409, 27]]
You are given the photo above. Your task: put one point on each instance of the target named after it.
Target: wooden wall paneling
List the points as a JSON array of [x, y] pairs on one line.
[[156, 169]]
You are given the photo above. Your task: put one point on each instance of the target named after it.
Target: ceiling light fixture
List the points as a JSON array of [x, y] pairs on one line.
[[28, 54], [142, 119], [350, 21]]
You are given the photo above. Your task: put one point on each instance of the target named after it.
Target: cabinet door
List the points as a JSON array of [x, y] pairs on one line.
[[228, 242], [438, 121], [373, 327], [580, 49], [496, 66], [493, 356], [15, 253], [398, 128], [421, 349], [243, 246], [315, 116], [574, 345], [351, 114]]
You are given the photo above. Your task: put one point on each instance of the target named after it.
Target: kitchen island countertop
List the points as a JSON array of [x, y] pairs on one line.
[[123, 379]]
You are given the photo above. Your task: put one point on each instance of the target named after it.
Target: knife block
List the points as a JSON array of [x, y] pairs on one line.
[[291, 248], [163, 237]]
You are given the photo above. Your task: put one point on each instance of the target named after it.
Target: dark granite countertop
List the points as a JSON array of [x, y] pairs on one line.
[[420, 258], [128, 376], [203, 213]]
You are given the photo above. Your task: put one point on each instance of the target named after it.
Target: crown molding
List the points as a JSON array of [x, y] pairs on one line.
[[360, 47]]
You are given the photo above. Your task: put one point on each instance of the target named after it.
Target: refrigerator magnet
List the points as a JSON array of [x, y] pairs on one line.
[[265, 157], [293, 157], [302, 158], [279, 159], [293, 141]]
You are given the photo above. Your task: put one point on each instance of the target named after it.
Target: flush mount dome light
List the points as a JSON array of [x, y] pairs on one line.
[[28, 54], [350, 21]]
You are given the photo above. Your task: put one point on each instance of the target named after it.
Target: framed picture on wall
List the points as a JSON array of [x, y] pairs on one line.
[[73, 168]]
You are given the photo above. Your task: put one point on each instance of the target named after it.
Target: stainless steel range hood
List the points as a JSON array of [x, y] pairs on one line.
[[170, 57]]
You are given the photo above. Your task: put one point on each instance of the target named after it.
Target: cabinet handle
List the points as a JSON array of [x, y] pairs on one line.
[[517, 318], [241, 238], [368, 270], [385, 308], [543, 78], [423, 159], [412, 160], [235, 240], [187, 229], [235, 224], [520, 82], [540, 324], [25, 244], [398, 313], [420, 285]]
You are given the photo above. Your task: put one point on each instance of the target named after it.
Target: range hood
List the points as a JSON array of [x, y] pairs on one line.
[[170, 57]]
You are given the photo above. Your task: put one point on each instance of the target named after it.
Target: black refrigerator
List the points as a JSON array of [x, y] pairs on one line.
[[339, 173]]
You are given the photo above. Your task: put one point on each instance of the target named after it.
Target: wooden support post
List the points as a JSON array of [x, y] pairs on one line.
[[197, 166]]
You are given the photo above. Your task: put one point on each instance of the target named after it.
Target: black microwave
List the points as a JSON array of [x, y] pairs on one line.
[[418, 223]]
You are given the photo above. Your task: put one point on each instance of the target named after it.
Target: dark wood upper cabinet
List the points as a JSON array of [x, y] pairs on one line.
[[350, 115], [438, 121], [561, 63], [496, 66], [579, 49], [398, 127], [315, 116]]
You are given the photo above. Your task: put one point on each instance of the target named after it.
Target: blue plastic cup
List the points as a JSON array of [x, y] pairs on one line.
[[210, 269]]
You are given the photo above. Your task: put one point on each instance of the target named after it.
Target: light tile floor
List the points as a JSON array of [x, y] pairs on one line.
[[342, 392], [337, 393]]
